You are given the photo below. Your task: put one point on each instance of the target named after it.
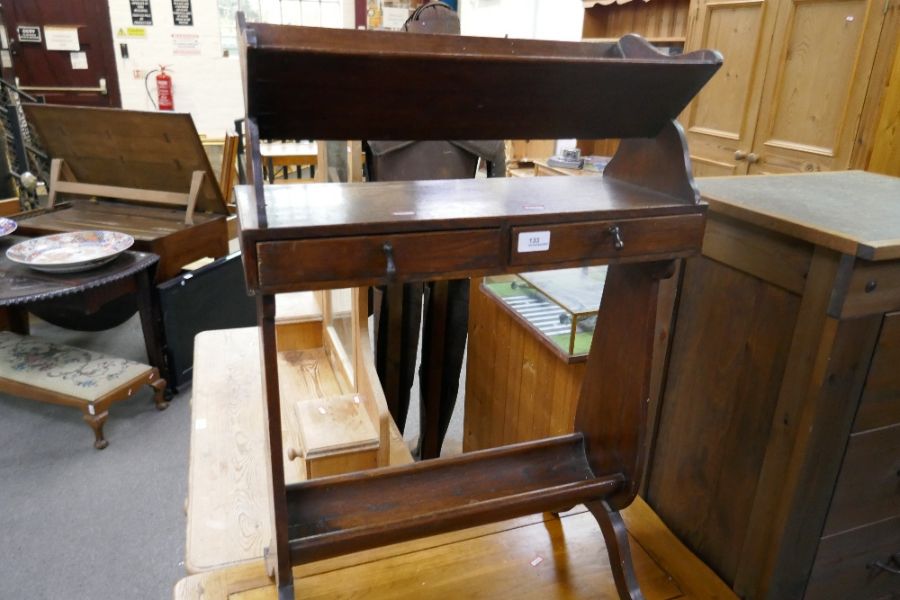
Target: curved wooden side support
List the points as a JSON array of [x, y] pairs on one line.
[[632, 45], [616, 538], [612, 408], [661, 164]]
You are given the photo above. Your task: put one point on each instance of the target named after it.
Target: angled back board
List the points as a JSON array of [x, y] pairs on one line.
[[124, 148], [408, 86]]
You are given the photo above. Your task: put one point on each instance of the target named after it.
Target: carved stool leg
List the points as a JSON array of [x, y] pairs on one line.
[[159, 393], [613, 528], [96, 423]]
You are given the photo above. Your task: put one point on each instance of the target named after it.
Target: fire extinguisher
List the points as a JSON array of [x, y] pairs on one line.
[[164, 92]]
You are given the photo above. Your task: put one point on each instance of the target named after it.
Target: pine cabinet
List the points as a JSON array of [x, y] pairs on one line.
[[802, 86]]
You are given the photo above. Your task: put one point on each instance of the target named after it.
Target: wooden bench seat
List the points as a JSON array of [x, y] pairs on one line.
[[47, 371]]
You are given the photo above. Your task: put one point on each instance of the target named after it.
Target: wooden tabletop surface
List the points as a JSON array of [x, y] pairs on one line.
[[144, 223], [228, 508], [853, 212], [22, 285], [534, 557], [319, 209]]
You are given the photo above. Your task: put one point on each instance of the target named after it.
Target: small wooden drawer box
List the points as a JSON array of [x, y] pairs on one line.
[[373, 259], [567, 242]]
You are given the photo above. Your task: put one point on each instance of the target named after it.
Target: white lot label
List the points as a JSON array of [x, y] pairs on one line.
[[534, 241]]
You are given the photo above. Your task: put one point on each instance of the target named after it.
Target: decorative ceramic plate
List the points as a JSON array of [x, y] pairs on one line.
[[7, 226], [70, 252]]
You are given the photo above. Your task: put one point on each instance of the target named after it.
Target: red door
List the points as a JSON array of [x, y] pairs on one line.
[[62, 50]]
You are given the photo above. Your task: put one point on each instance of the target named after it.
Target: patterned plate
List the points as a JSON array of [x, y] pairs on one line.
[[70, 252], [7, 226]]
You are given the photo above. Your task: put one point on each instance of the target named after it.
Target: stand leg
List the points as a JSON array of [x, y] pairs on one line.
[[159, 393], [96, 423], [616, 538], [15, 319], [151, 325]]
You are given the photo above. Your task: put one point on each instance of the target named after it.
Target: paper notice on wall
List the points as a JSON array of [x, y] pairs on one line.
[[394, 18], [61, 38], [79, 60], [5, 59], [186, 44]]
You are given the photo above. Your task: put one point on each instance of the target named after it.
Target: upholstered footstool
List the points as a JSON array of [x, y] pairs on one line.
[[46, 371]]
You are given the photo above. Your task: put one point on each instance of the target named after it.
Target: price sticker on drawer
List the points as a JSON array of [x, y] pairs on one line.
[[534, 241]]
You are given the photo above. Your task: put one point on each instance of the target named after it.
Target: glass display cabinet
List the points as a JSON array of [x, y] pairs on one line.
[[560, 305]]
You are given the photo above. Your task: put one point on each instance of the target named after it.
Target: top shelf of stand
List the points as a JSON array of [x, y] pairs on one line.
[[457, 87]]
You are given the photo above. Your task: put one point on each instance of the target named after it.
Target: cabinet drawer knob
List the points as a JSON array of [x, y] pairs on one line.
[[739, 155], [389, 255], [752, 158], [891, 565], [616, 232]]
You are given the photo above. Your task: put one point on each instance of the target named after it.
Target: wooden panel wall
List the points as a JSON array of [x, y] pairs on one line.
[[742, 329], [513, 400], [886, 152]]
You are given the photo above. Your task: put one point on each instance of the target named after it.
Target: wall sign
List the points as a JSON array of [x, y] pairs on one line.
[[182, 13], [186, 44], [62, 38], [29, 34], [140, 12]]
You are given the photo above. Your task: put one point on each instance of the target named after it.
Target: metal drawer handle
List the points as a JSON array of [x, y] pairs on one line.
[[389, 255], [892, 565], [616, 232]]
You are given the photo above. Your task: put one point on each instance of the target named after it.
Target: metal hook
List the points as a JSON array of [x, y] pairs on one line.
[[389, 255], [616, 232]]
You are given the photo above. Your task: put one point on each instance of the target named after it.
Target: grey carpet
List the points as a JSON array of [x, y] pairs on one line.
[[77, 523], [80, 523]]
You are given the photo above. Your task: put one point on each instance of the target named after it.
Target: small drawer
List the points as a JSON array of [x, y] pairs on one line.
[[581, 242], [845, 564], [364, 260], [868, 487]]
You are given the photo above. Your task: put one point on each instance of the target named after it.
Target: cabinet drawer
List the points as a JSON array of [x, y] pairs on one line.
[[842, 569], [880, 403], [337, 262], [579, 242], [868, 487]]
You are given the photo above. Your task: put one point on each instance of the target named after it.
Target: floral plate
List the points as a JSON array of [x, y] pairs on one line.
[[70, 252], [7, 226]]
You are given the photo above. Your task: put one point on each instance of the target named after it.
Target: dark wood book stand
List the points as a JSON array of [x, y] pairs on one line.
[[308, 83]]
